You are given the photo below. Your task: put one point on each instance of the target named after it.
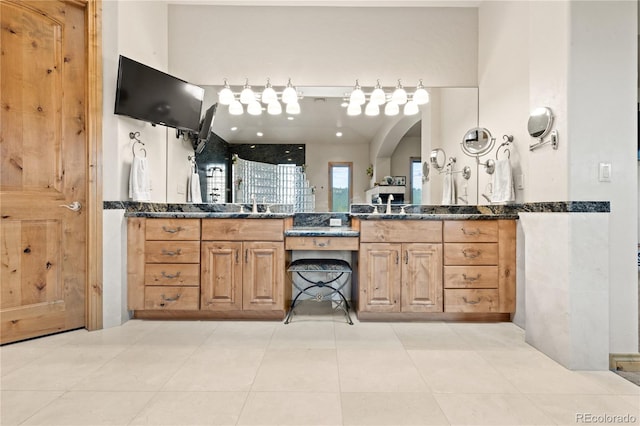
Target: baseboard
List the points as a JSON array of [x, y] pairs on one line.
[[624, 362]]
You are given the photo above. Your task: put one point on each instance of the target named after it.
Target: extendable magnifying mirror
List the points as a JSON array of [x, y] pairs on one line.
[[478, 142], [438, 158]]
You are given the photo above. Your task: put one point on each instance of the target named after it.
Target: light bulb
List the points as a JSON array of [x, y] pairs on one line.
[[411, 108], [235, 108], [247, 95], [391, 109], [357, 96], [372, 109], [254, 108], [377, 96], [293, 108], [225, 97], [268, 94], [399, 95], [421, 96], [289, 95], [354, 109], [274, 108]]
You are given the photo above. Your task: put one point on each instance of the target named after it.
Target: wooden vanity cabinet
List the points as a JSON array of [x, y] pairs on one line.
[[479, 266], [163, 264], [400, 266], [243, 265]]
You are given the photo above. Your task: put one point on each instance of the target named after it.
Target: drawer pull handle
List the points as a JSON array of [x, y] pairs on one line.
[[471, 233], [470, 302], [466, 278], [172, 230], [168, 299], [171, 276], [317, 244], [471, 253], [171, 253]]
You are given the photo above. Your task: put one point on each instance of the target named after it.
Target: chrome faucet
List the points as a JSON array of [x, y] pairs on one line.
[[389, 203], [255, 206]]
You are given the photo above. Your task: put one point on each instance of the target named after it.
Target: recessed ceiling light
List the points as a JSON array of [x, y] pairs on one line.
[[234, 128], [260, 134], [290, 118], [339, 134]]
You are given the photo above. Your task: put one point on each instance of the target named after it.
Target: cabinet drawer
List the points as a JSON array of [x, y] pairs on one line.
[[474, 300], [471, 231], [172, 252], [321, 243], [471, 254], [401, 231], [471, 277], [242, 229], [173, 229], [175, 274], [171, 298]]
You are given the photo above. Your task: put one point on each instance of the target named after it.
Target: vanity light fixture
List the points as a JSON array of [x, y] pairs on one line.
[[247, 96], [234, 128], [259, 134], [291, 118], [274, 108], [225, 97], [357, 96], [289, 95], [399, 95], [393, 100], [339, 134], [293, 108], [269, 94]]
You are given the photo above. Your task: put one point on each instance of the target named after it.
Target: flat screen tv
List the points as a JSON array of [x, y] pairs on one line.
[[150, 95]]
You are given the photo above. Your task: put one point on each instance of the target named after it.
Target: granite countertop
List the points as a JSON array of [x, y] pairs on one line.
[[321, 231], [204, 215]]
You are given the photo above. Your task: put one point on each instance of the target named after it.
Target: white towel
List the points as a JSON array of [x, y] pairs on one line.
[[448, 189], [194, 195], [139, 184], [503, 191]]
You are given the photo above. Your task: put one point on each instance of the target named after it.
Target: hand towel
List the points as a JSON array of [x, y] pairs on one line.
[[448, 189], [194, 195], [503, 191], [139, 184]]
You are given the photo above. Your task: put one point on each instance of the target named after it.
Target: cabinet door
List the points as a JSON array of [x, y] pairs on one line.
[[379, 277], [263, 276], [421, 278], [221, 272]]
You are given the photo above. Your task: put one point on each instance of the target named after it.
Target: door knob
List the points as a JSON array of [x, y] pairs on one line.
[[75, 206]]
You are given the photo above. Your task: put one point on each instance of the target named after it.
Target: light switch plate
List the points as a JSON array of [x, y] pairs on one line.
[[604, 172], [180, 189], [335, 222], [520, 181]]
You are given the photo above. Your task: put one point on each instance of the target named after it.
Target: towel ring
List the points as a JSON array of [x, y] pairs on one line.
[[508, 140], [134, 136]]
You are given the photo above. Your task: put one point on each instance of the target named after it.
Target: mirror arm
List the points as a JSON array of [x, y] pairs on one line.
[[553, 140]]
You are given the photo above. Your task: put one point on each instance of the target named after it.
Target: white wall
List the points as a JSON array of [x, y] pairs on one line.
[[324, 46], [137, 30], [603, 73], [579, 59]]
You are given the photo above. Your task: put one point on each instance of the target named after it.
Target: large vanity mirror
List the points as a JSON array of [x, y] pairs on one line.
[[326, 133]]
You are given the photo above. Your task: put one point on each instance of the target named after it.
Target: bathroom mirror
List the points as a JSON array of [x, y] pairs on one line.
[[540, 122], [438, 158], [477, 142]]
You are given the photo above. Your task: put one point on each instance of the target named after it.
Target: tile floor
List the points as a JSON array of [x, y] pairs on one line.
[[318, 370]]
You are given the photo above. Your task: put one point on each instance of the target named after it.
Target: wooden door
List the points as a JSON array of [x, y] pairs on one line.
[[421, 278], [379, 277], [263, 276], [221, 276], [44, 155]]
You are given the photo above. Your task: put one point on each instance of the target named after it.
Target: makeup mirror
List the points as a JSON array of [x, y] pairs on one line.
[[477, 142], [540, 122], [438, 158]]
